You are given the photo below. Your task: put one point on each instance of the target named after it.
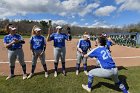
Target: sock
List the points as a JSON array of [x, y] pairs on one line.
[[85, 67], [45, 67], [55, 66], [63, 66], [12, 69], [24, 69], [77, 66], [122, 87], [90, 81], [33, 68]]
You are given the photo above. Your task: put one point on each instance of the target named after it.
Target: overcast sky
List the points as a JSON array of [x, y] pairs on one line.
[[91, 13]]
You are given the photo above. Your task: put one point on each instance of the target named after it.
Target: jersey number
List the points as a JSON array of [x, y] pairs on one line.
[[59, 40], [105, 54]]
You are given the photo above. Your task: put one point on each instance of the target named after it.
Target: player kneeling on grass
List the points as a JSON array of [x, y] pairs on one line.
[[82, 47], [107, 68], [38, 46], [13, 42]]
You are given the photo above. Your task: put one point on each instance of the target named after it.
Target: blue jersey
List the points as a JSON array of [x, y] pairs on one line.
[[9, 38], [59, 39], [108, 44], [103, 57], [37, 42], [84, 45]]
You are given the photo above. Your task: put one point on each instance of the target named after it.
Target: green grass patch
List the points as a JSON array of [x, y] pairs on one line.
[[70, 84], [1, 36]]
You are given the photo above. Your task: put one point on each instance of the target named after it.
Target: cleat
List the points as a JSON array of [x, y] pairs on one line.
[[86, 88], [64, 73], [30, 75], [77, 72], [46, 74], [24, 76], [55, 74], [86, 73], [10, 76]]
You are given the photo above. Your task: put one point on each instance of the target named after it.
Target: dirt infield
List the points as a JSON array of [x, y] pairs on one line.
[[123, 56]]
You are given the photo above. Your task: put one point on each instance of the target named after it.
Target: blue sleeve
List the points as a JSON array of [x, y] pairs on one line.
[[44, 40], [52, 37], [5, 40], [92, 53], [110, 43], [66, 36], [89, 44], [20, 37], [31, 40]]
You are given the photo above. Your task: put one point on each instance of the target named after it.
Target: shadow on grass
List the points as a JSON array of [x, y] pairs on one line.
[[122, 78], [73, 69]]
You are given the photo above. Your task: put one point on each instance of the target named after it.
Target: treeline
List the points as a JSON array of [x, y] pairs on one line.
[[24, 27]]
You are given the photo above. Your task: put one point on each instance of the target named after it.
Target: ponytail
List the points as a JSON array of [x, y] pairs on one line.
[[33, 32], [7, 30]]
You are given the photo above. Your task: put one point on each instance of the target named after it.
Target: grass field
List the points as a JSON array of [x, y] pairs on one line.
[[70, 84]]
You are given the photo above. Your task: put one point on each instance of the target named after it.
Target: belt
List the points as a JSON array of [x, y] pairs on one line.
[[59, 47], [13, 49]]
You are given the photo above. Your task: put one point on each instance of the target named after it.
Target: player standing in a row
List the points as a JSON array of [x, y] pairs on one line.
[[38, 47], [59, 47], [107, 68], [83, 46], [13, 42]]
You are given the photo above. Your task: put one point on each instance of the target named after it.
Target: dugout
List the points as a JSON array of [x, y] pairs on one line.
[[133, 35]]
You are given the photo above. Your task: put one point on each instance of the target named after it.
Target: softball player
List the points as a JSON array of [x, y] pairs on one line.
[[38, 46], [109, 43], [59, 48], [13, 42], [82, 47], [107, 66]]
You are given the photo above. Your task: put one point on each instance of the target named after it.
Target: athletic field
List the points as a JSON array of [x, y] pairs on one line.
[[126, 59]]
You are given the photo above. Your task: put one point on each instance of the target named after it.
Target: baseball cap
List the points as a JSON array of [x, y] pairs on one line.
[[58, 27], [86, 36], [37, 29], [12, 28], [104, 34]]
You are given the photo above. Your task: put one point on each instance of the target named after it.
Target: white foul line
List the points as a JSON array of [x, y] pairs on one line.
[[132, 57]]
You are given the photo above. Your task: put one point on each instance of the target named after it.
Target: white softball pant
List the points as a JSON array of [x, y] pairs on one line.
[[16, 54], [105, 73], [36, 55], [59, 53], [80, 58]]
